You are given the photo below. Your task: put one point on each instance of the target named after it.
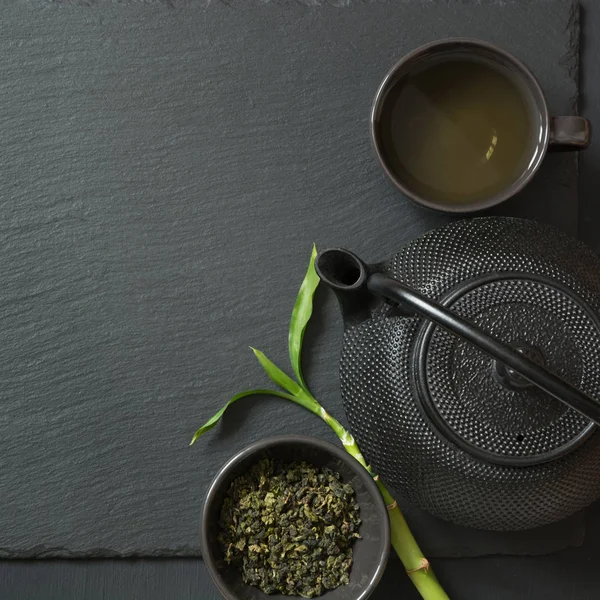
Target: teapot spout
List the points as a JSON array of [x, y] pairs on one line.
[[341, 270], [346, 275]]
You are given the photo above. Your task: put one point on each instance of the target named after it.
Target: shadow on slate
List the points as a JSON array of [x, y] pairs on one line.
[[165, 170]]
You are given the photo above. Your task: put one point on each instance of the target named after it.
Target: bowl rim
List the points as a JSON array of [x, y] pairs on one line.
[[264, 444]]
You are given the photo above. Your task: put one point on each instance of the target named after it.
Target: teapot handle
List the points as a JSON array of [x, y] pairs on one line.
[[544, 379]]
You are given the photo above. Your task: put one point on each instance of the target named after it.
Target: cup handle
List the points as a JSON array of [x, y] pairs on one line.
[[569, 133]]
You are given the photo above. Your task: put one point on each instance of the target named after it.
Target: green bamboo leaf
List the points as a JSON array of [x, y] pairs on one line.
[[216, 417], [276, 374], [301, 315]]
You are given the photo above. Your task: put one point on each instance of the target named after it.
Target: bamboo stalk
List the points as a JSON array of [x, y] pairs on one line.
[[416, 565]]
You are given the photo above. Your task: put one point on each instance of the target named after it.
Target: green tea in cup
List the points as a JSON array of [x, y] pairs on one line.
[[457, 131], [460, 125]]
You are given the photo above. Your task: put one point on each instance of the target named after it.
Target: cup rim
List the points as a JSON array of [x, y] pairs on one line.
[[512, 189]]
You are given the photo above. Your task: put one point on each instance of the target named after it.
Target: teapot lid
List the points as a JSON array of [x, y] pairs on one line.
[[533, 288], [479, 403]]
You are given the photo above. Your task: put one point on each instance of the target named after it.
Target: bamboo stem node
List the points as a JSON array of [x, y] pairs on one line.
[[424, 566], [392, 506]]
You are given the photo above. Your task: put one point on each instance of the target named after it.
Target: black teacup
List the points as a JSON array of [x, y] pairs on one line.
[[460, 125]]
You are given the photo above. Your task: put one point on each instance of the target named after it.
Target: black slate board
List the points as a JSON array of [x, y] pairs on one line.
[[165, 168]]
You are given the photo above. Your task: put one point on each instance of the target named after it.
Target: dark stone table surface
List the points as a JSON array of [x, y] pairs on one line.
[[572, 573]]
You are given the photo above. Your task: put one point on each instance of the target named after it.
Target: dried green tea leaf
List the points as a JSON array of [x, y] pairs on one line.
[[289, 528]]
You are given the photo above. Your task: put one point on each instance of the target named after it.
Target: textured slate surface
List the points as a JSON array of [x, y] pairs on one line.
[[165, 169]]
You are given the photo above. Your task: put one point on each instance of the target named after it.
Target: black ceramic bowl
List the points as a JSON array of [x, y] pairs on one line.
[[370, 552]]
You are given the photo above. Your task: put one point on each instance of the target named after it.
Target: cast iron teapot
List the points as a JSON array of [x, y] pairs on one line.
[[470, 367]]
